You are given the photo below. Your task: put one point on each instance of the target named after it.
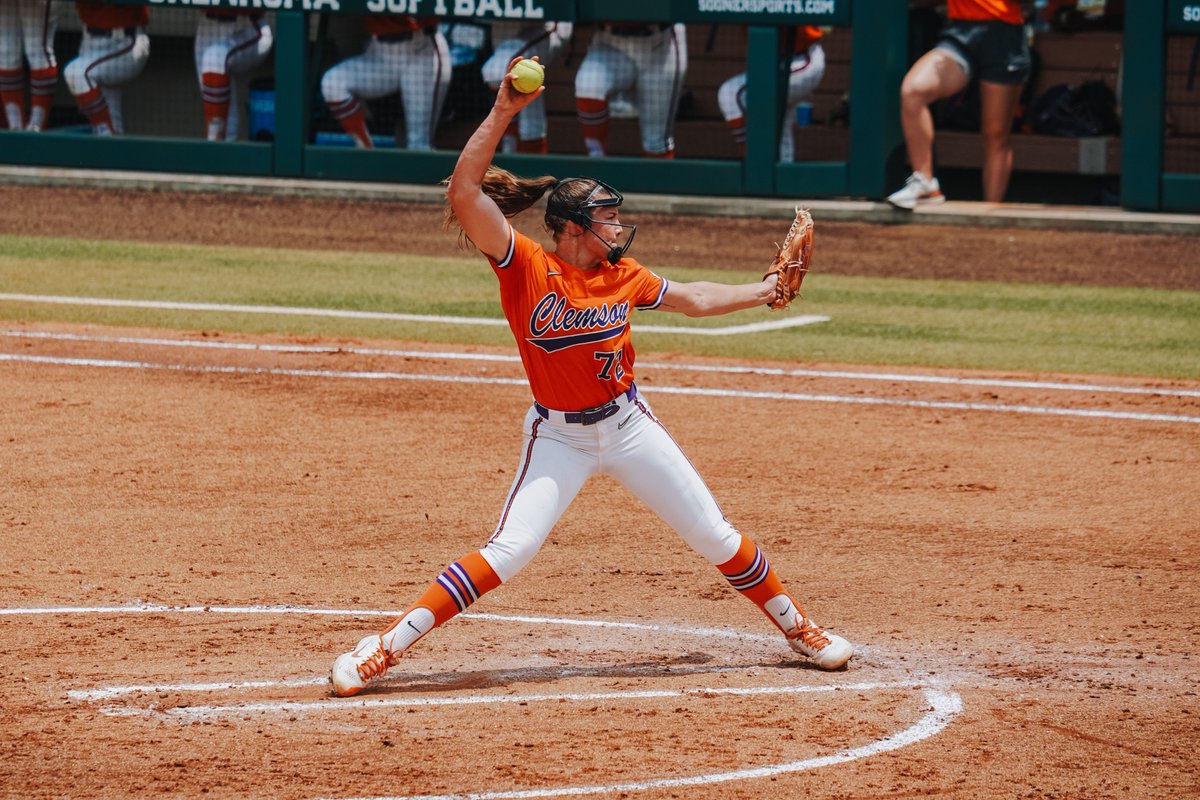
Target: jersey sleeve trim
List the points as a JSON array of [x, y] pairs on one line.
[[662, 292], [512, 246]]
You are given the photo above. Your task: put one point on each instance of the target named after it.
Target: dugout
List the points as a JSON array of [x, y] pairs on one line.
[[1156, 157]]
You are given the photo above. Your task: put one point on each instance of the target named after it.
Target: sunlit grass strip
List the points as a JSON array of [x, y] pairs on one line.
[[879, 321]]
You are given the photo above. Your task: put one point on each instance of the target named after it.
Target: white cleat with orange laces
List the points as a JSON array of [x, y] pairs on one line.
[[827, 650], [354, 670]]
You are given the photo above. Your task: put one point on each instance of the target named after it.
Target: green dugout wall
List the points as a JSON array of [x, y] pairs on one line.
[[874, 160]]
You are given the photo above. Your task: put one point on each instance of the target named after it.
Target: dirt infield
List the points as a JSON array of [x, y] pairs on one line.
[[191, 533]]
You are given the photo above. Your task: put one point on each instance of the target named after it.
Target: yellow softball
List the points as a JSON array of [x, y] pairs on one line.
[[528, 75]]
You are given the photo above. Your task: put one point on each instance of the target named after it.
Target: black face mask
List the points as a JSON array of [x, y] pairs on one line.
[[581, 214]]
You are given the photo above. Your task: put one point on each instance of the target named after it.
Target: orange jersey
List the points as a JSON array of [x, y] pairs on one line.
[[807, 36], [106, 15], [384, 24], [1002, 10], [572, 324]]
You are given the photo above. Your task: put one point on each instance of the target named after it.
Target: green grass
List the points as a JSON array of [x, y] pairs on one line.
[[875, 321]]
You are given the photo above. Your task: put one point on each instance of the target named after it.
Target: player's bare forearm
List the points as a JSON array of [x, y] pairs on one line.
[[706, 299], [480, 217]]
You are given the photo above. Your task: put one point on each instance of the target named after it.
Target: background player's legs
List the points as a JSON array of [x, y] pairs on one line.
[[39, 21], [998, 104], [88, 94], [93, 78], [424, 83], [605, 69], [807, 71], [660, 74], [373, 74], [731, 99], [12, 67], [225, 52]]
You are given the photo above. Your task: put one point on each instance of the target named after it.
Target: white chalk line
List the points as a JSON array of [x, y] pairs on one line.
[[443, 355], [689, 390], [293, 707], [944, 704], [170, 305]]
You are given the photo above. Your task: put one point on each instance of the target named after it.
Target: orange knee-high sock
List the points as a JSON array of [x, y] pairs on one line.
[[12, 97], [93, 106], [353, 118], [42, 83], [459, 585], [737, 126], [508, 142], [751, 574], [593, 121], [215, 92], [539, 145]]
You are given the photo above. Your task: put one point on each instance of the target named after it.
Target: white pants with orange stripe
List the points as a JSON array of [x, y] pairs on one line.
[[631, 446]]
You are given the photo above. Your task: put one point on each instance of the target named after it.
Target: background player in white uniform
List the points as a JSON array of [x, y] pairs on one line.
[[569, 311], [807, 70], [229, 46], [403, 53], [523, 40], [27, 30], [113, 52], [650, 61]]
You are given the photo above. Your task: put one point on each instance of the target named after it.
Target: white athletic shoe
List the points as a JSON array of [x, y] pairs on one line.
[[354, 670], [918, 190], [827, 650]]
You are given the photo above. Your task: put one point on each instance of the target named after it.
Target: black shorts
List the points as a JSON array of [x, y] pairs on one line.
[[996, 52]]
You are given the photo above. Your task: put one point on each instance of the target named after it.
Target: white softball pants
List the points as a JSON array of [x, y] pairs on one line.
[[235, 49], [633, 447], [27, 30], [805, 76], [419, 68], [512, 39], [653, 67], [108, 62]]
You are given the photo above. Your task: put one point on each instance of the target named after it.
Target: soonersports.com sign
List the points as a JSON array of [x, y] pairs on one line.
[[1183, 16], [826, 12]]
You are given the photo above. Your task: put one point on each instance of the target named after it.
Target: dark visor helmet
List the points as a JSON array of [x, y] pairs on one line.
[[581, 213]]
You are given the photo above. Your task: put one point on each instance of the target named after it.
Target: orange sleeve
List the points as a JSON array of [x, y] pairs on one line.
[[1001, 10], [104, 15]]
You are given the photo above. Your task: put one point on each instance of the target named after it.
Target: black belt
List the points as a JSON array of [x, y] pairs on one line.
[[401, 36], [589, 416], [111, 31], [635, 30]]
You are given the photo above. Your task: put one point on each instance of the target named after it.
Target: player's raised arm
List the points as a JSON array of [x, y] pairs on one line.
[[481, 218]]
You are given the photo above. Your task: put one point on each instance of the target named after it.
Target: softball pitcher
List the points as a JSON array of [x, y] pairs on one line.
[[403, 53], [648, 60], [569, 312], [27, 30], [113, 52], [229, 45], [521, 40], [807, 70]]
